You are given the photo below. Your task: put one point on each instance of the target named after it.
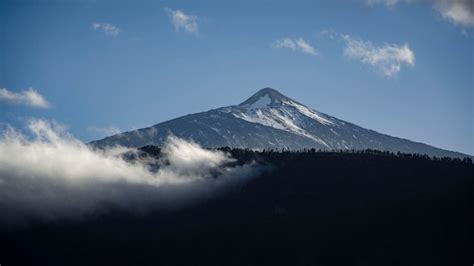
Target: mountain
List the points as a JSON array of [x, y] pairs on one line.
[[270, 120]]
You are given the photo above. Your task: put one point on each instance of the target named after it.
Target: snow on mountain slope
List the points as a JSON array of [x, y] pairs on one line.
[[270, 108], [269, 119], [261, 102]]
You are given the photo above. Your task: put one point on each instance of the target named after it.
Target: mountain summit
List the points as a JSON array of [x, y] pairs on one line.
[[265, 97], [269, 120]]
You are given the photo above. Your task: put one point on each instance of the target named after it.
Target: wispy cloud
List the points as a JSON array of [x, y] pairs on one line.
[[465, 33], [387, 59], [460, 12], [297, 44], [388, 3], [457, 11], [104, 131], [107, 28], [183, 21], [28, 97]]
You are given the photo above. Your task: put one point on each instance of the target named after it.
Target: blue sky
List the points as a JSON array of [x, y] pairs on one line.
[[404, 68]]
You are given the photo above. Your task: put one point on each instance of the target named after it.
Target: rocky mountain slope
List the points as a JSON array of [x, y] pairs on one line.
[[270, 120]]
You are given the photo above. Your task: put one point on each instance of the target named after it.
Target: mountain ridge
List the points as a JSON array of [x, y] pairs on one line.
[[270, 120]]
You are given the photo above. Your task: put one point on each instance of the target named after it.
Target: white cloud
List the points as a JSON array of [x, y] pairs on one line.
[[104, 131], [53, 175], [298, 44], [388, 3], [183, 21], [28, 97], [387, 59], [457, 11], [107, 28], [330, 33], [460, 12]]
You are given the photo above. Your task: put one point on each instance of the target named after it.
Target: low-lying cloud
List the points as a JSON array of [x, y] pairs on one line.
[[53, 175], [28, 97]]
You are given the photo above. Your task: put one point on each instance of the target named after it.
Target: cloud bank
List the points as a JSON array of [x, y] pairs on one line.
[[183, 21], [53, 175], [460, 12], [107, 28], [297, 44], [28, 97]]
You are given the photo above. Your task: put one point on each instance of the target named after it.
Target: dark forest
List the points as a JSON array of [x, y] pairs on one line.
[[306, 208]]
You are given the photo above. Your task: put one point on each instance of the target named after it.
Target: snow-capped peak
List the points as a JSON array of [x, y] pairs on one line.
[[269, 98], [271, 108], [268, 119], [264, 98]]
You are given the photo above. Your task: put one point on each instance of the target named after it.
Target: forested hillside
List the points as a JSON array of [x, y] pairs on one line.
[[304, 208]]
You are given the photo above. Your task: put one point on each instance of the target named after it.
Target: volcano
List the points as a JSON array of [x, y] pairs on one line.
[[270, 120]]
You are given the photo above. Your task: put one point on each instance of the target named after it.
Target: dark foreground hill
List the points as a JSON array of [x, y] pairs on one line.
[[312, 208]]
